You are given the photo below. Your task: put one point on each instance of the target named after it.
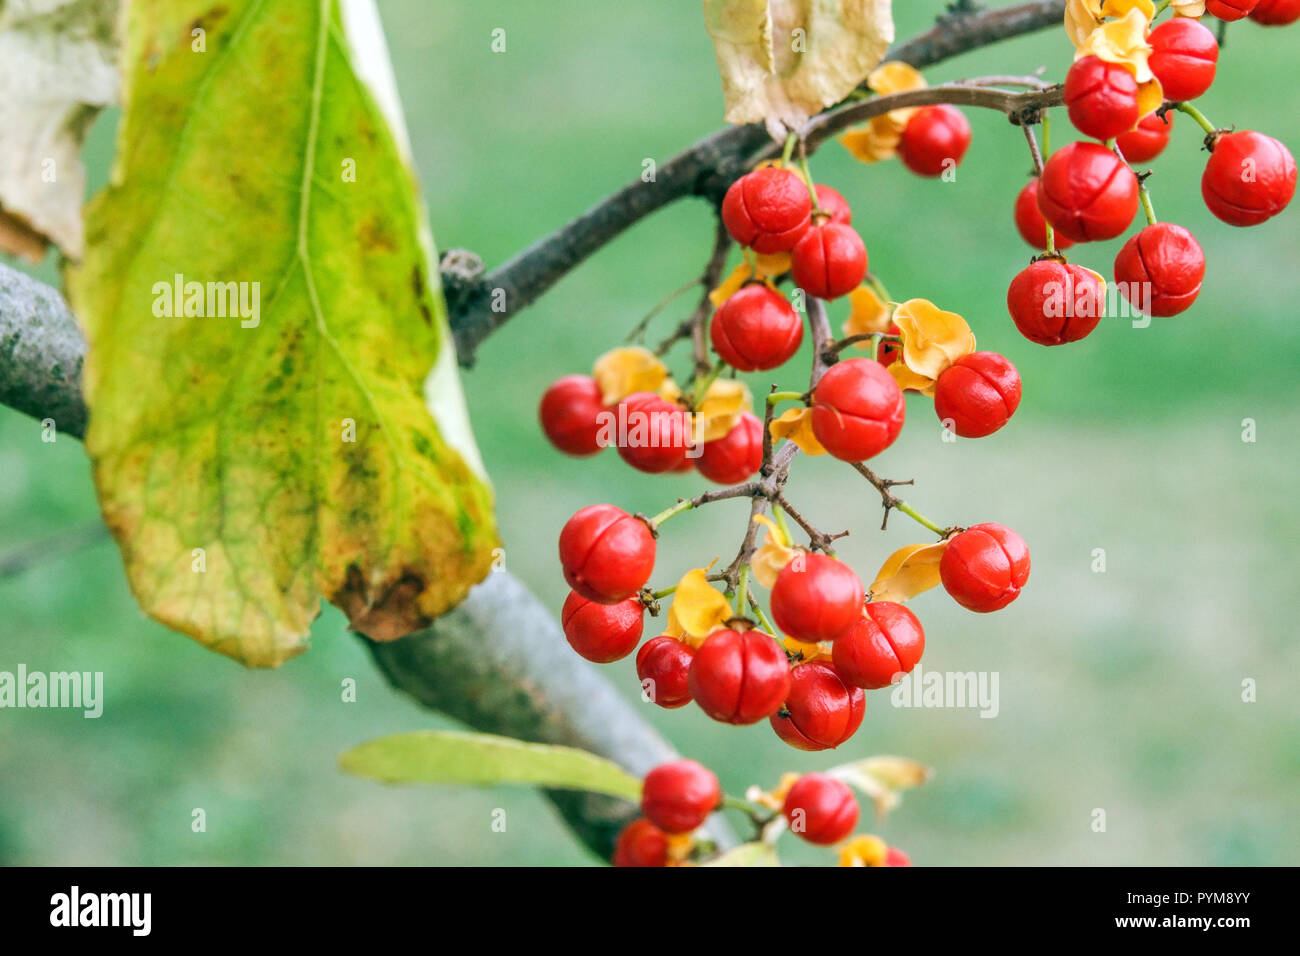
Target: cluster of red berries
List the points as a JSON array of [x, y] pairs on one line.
[[740, 674], [578, 422], [1089, 192], [677, 797]]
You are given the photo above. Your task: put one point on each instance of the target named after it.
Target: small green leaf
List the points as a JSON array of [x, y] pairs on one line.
[[483, 760], [747, 854]]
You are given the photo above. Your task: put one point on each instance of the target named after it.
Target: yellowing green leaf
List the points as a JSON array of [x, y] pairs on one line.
[[266, 441], [781, 61], [448, 756]]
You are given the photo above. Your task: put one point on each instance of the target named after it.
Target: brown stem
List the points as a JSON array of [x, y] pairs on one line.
[[706, 170]]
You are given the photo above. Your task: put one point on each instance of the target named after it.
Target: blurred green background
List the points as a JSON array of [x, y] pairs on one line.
[[1119, 690]]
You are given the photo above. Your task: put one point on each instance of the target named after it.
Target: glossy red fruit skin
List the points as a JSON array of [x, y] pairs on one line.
[[816, 598], [756, 329], [1276, 13], [1184, 56], [1053, 303], [602, 632], [1230, 10], [1237, 199], [1148, 140], [832, 202], [1101, 97], [739, 677], [829, 261], [857, 409], [821, 809], [666, 662], [607, 555], [887, 353], [896, 857], [822, 710], [978, 394], [1030, 222], [569, 414], [735, 456], [767, 210], [1169, 258], [1087, 193], [658, 433], [641, 843], [886, 641], [984, 567], [679, 796], [935, 138]]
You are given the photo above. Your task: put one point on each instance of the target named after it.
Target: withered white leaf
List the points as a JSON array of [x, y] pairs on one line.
[[58, 68], [782, 61]]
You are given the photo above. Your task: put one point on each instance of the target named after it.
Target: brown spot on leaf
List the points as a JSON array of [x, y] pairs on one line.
[[385, 616]]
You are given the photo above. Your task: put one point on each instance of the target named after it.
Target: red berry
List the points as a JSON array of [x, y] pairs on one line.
[[767, 210], [662, 664], [756, 329], [984, 567], [607, 555], [739, 677], [1053, 302], [886, 641], [821, 809], [1184, 55], [569, 413], [887, 353], [821, 711], [641, 843], [654, 433], [677, 797], [977, 394], [1230, 10], [1087, 192], [857, 409], [816, 598], [1101, 97], [934, 140], [1249, 178], [829, 261], [832, 202], [1149, 140], [1276, 13], [735, 456], [896, 857], [1160, 269], [1030, 221], [602, 632]]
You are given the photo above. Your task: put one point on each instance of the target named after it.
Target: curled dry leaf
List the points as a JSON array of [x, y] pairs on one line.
[[773, 554], [878, 138], [1122, 41], [698, 608], [58, 68], [622, 371], [867, 316], [796, 425], [720, 409], [781, 61], [909, 571], [932, 340]]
